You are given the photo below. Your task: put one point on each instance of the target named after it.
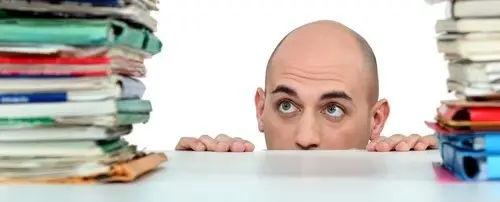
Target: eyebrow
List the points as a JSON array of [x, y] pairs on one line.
[[285, 89], [329, 95]]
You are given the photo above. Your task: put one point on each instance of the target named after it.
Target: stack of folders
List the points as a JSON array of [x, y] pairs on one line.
[[468, 127], [69, 89]]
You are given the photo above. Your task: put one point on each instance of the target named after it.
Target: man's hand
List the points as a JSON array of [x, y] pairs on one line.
[[222, 143], [403, 143]]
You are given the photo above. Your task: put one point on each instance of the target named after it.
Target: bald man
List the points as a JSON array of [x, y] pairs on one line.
[[321, 92]]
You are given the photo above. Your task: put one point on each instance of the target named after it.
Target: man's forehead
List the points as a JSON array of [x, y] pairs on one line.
[[317, 47]]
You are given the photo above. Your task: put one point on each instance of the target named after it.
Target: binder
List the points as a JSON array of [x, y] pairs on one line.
[[487, 141], [77, 32], [130, 13], [470, 165], [474, 115]]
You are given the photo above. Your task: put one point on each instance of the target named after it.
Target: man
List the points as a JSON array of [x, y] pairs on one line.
[[321, 93]]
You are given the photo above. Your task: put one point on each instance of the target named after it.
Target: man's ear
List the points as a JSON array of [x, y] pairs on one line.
[[260, 98], [380, 113]]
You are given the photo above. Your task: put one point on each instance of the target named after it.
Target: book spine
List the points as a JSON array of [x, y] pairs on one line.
[[16, 98]]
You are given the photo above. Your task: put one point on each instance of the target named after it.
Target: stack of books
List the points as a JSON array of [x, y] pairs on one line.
[[468, 127], [70, 89]]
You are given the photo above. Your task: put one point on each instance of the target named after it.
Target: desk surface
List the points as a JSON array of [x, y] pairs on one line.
[[276, 176]]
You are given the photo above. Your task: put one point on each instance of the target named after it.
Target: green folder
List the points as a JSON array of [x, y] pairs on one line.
[[77, 32]]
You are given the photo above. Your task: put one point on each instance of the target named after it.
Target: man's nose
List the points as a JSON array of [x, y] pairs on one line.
[[308, 136]]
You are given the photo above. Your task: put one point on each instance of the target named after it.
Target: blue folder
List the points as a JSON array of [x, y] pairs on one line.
[[470, 165], [474, 141]]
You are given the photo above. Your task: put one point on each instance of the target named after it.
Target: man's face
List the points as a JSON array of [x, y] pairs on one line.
[[317, 97]]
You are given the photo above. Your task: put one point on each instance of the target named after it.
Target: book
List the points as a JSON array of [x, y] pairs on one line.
[[74, 109], [60, 133], [114, 120], [126, 88]]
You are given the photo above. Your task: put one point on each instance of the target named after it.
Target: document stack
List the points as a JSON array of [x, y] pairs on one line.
[[468, 127], [70, 89]]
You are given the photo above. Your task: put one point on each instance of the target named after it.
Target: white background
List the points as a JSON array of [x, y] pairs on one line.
[[215, 54]]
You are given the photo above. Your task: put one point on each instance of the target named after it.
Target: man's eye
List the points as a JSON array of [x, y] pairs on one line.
[[334, 111], [287, 107]]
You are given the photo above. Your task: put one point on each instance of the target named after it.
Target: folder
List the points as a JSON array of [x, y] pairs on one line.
[[127, 171], [126, 88], [475, 115], [53, 67], [77, 32], [75, 109], [114, 120], [488, 141], [45, 9], [59, 133], [470, 165]]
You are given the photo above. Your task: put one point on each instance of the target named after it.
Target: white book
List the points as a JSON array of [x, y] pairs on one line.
[[467, 89], [78, 148], [473, 8], [78, 89], [474, 72], [86, 169], [468, 25], [469, 44], [62, 133], [57, 84], [60, 109]]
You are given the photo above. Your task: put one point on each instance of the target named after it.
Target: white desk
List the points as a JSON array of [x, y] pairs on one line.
[[284, 176]]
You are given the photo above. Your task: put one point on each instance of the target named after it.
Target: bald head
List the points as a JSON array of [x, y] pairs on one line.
[[323, 37]]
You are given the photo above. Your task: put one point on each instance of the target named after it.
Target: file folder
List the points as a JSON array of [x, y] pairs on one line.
[[77, 32], [470, 165], [471, 115], [487, 141]]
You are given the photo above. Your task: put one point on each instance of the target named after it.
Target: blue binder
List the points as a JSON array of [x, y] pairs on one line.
[[470, 165], [486, 141]]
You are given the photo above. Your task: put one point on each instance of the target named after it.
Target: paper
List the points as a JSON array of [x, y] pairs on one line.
[[443, 175]]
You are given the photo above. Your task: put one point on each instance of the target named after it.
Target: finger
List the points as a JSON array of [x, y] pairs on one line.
[[213, 145], [241, 145], [408, 143], [432, 141], [223, 138], [371, 145], [224, 141], [389, 143], [190, 144], [422, 144]]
